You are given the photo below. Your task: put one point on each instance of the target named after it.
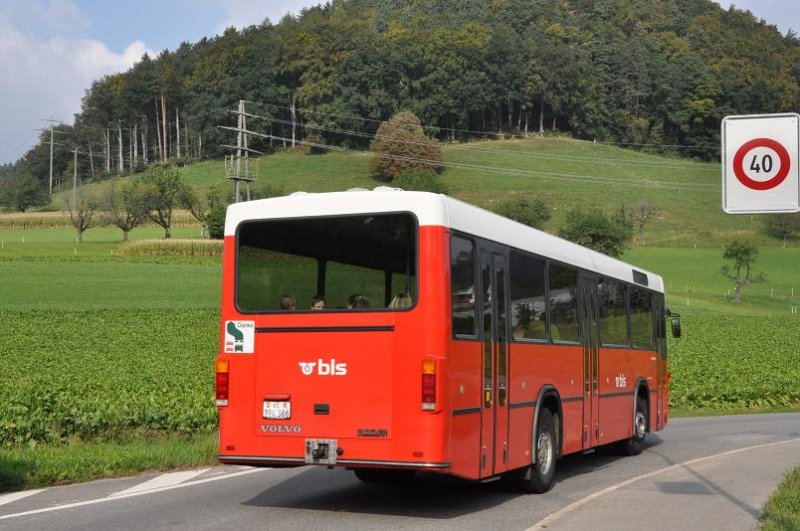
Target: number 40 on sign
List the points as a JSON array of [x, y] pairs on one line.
[[760, 170]]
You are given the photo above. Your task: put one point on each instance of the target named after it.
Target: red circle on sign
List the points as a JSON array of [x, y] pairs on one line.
[[738, 164]]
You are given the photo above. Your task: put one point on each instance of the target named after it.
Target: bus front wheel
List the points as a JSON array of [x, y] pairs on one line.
[[635, 444]]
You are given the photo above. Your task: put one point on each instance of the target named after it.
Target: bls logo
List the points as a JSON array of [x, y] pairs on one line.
[[324, 368]]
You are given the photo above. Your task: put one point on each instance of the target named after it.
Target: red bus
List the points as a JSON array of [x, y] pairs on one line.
[[391, 332]]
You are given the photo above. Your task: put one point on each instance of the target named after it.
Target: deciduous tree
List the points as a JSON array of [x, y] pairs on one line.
[[595, 230], [534, 213], [126, 205], [782, 226], [401, 146], [82, 211], [163, 186], [743, 255]]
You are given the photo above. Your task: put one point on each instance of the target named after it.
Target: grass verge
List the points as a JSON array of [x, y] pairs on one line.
[[782, 511], [27, 468], [682, 412]]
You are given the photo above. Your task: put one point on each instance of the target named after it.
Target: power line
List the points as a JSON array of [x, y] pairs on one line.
[[468, 147], [554, 175]]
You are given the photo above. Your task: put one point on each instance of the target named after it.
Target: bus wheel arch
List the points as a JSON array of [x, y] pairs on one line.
[[640, 421], [550, 399]]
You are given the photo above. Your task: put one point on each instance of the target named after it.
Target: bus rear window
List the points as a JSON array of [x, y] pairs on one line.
[[363, 262]]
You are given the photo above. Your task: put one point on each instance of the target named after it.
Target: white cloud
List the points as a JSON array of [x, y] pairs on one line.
[[45, 17], [44, 77], [242, 13]]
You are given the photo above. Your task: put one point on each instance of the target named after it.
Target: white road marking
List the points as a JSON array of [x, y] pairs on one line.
[[164, 480], [131, 495], [542, 524], [14, 496]]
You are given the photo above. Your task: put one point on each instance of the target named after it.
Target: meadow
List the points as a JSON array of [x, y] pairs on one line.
[[108, 348]]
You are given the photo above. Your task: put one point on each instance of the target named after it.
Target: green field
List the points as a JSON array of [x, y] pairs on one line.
[[110, 354]]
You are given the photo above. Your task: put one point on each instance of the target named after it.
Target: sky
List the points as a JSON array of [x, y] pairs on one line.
[[52, 50]]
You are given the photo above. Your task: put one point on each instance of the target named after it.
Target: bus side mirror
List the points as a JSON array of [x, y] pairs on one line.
[[675, 323]]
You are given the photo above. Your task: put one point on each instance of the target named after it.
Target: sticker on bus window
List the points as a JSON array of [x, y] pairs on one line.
[[240, 337]]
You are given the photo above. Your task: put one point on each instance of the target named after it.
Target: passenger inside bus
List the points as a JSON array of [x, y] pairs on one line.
[[357, 301], [401, 300], [288, 302], [318, 302]]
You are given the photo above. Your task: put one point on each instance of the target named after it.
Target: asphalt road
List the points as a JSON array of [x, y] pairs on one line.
[[710, 473]]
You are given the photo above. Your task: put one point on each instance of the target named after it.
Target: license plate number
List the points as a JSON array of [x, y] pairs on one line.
[[277, 410]]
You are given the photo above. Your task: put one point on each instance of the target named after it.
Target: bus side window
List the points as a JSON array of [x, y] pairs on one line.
[[528, 308], [641, 318], [613, 315], [563, 303], [462, 285]]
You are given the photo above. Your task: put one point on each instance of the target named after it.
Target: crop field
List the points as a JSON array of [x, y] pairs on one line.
[[113, 344], [105, 374], [733, 362]]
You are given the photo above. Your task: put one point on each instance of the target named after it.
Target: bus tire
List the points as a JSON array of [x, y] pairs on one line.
[[384, 476], [540, 476], [635, 444]]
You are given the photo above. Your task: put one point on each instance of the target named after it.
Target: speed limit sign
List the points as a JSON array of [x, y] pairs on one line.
[[760, 170]]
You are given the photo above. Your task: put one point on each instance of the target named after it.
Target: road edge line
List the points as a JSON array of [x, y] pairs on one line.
[[112, 497], [549, 519]]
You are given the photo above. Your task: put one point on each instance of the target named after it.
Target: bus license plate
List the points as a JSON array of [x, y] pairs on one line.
[[277, 410]]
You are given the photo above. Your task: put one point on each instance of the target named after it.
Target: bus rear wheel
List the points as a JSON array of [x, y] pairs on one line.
[[540, 476], [382, 475]]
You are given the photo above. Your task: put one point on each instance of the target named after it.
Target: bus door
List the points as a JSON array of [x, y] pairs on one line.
[[591, 360], [494, 416], [661, 357]]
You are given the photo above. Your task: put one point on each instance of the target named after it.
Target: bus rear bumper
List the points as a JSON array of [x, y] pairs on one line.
[[252, 460]]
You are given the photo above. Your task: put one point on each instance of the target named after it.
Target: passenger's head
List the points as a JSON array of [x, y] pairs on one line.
[[318, 302], [356, 300], [288, 302], [401, 300]]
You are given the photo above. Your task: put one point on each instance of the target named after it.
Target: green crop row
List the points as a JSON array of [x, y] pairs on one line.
[[105, 375]]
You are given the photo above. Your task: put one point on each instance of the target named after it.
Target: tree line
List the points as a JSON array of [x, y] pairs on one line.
[[657, 73]]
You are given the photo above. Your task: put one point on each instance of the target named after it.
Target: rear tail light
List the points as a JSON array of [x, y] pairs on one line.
[[222, 382], [428, 385]]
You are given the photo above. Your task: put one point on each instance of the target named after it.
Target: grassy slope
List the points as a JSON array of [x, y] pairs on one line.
[[583, 168]]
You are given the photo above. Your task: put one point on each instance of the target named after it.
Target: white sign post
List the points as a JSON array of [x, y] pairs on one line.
[[760, 167]]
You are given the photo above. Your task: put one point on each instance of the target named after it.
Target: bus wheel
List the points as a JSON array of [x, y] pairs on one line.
[[382, 475], [540, 476], [635, 444]]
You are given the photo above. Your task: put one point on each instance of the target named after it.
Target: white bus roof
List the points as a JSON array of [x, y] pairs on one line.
[[437, 210]]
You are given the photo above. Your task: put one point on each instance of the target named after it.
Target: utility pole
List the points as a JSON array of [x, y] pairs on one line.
[[233, 170], [52, 132], [75, 177]]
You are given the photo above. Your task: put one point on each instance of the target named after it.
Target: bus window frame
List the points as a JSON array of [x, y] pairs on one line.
[[578, 271], [477, 336], [628, 344], [653, 334], [326, 311], [545, 261]]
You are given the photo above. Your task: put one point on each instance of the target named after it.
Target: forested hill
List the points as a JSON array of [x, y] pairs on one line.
[[628, 71]]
